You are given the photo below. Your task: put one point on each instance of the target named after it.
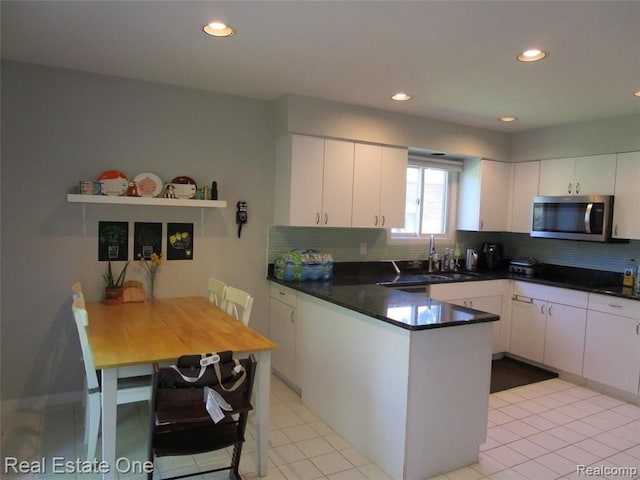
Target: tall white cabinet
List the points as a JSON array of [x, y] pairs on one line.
[[526, 176], [627, 196], [484, 196], [379, 186]]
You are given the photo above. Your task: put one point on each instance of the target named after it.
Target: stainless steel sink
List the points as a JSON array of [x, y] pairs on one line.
[[408, 279]]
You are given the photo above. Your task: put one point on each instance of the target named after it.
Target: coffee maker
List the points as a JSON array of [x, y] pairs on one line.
[[492, 256]]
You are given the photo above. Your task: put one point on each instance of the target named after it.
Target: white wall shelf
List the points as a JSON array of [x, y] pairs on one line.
[[148, 201], [157, 201]]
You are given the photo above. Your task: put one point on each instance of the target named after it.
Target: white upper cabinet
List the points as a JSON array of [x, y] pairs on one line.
[[484, 196], [337, 187], [367, 177], [557, 176], [627, 196], [314, 181], [526, 176], [379, 186], [322, 182], [592, 175], [393, 189]]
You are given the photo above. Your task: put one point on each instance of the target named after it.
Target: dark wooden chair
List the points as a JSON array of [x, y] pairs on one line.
[[180, 423]]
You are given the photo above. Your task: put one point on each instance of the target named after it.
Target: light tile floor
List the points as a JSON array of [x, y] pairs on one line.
[[539, 431]]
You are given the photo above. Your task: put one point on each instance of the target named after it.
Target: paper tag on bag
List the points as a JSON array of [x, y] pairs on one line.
[[214, 404]]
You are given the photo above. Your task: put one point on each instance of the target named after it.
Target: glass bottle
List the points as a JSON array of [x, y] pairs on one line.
[[629, 276]]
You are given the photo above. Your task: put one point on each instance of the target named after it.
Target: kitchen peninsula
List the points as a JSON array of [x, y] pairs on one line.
[[403, 378]]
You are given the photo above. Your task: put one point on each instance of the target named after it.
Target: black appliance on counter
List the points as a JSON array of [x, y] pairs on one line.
[[528, 267], [492, 256]]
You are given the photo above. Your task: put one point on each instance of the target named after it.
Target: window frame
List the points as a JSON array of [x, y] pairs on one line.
[[453, 168]]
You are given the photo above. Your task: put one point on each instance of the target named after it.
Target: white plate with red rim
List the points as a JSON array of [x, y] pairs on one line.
[[148, 184], [114, 182]]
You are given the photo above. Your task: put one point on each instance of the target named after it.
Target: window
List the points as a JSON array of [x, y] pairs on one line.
[[428, 202]]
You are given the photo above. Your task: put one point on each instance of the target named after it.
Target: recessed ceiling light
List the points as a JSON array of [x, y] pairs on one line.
[[532, 55], [637, 94], [508, 118], [218, 29], [401, 97]]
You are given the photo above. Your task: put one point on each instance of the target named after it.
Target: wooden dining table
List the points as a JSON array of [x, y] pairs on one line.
[[161, 330]]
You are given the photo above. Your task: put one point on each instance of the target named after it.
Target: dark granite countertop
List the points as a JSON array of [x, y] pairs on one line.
[[406, 310], [358, 287]]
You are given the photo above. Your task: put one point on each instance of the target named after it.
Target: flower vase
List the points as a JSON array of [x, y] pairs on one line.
[[152, 285]]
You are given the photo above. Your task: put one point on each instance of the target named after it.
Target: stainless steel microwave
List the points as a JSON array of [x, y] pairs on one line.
[[587, 217]]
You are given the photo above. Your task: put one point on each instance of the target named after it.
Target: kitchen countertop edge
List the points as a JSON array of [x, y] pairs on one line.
[[327, 291]]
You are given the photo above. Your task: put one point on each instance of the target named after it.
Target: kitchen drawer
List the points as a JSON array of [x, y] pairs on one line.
[[284, 294], [614, 305], [562, 296]]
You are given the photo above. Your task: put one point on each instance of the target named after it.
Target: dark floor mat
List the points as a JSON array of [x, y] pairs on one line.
[[509, 373]]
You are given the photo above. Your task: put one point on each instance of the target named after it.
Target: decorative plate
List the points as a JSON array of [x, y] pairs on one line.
[[184, 187], [114, 182], [149, 184]]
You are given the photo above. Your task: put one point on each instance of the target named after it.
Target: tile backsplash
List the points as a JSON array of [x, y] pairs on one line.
[[345, 246]]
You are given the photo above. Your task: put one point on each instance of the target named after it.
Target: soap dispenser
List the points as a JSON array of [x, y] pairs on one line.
[[629, 276]]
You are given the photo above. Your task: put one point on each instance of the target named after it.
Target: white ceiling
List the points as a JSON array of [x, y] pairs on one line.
[[455, 57]]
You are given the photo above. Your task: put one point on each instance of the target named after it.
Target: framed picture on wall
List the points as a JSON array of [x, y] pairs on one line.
[[113, 241], [179, 241], [147, 238]]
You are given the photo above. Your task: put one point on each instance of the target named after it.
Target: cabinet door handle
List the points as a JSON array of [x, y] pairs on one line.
[[578, 187], [615, 230], [638, 328], [615, 305], [376, 221], [292, 315], [481, 224], [383, 220], [549, 311], [569, 187], [326, 218], [518, 298], [470, 303], [318, 218], [542, 309]]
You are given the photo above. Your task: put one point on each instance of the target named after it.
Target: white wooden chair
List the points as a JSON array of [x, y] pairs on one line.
[[238, 303], [133, 389], [217, 290]]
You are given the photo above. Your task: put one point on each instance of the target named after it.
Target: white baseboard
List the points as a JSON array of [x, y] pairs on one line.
[[42, 401]]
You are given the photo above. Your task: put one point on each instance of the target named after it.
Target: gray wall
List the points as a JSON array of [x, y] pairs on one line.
[[59, 127], [614, 135], [324, 118]]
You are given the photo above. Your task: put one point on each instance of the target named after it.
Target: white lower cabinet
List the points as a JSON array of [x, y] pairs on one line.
[[486, 296], [612, 346], [528, 325], [548, 325], [564, 337], [282, 331]]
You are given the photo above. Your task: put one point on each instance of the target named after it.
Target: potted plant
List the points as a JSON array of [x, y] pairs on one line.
[[114, 286]]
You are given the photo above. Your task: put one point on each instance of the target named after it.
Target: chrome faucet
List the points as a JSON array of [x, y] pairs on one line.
[[395, 267], [432, 251]]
